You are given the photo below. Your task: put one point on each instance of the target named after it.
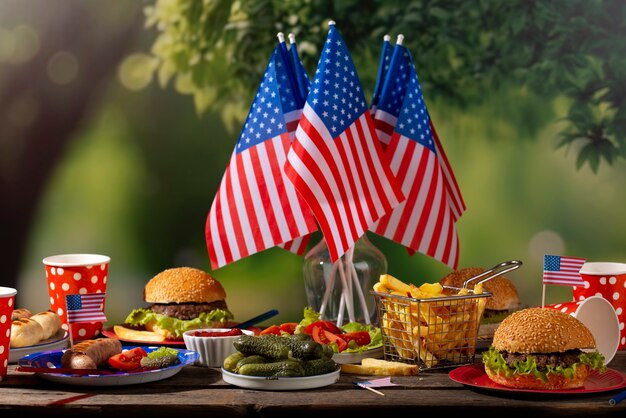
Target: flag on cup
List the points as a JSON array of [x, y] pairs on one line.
[[256, 207], [85, 308], [336, 161], [425, 221]]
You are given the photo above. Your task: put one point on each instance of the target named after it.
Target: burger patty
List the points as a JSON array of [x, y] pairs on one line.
[[187, 311], [565, 359]]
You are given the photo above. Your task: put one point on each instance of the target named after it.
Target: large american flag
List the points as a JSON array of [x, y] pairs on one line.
[[336, 161], [256, 207], [85, 308], [562, 270], [425, 221]]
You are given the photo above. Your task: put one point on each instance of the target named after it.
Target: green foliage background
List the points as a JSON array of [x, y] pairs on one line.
[[526, 96]]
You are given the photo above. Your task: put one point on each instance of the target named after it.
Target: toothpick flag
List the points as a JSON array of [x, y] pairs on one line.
[[85, 308], [256, 207], [425, 221], [383, 67], [562, 270], [336, 161]]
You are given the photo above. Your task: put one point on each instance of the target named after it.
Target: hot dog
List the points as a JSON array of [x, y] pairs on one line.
[[25, 332], [49, 321], [91, 354]]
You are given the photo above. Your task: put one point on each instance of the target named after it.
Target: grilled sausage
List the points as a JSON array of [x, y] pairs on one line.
[[49, 321], [25, 332], [91, 354]]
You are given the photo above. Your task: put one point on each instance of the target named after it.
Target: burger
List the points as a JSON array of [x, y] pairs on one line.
[[503, 301], [542, 348], [181, 299]]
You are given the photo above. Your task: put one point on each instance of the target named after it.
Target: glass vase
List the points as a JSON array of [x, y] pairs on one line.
[[340, 291]]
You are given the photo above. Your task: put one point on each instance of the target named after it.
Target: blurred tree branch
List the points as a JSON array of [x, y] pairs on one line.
[[216, 51]]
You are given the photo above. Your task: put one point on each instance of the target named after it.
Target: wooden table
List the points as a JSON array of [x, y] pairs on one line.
[[198, 391]]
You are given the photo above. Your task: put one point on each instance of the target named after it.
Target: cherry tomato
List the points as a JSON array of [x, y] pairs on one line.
[[288, 327], [274, 329], [128, 359], [327, 325], [359, 337]]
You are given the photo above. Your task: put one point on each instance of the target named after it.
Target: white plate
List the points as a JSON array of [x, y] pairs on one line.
[[56, 342], [345, 358], [280, 383], [52, 359]]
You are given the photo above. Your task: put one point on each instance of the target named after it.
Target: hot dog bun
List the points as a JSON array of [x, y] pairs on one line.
[[91, 354], [21, 313], [25, 332], [49, 321]]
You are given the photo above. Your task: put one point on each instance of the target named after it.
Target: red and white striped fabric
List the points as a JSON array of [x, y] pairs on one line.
[[336, 161]]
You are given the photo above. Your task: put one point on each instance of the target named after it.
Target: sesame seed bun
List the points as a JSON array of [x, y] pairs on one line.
[[542, 330], [183, 285], [504, 293]]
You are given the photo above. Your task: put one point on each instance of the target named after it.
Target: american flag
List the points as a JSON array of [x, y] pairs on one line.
[[256, 207], [425, 221], [85, 308], [336, 161], [562, 270], [383, 67]]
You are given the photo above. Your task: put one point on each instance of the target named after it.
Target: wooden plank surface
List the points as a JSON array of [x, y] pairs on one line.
[[201, 391]]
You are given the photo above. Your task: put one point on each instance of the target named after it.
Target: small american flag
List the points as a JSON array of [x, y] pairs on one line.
[[562, 270], [383, 67], [425, 221], [256, 207], [336, 161], [85, 308]]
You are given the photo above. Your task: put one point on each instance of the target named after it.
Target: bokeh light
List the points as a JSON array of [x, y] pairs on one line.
[[62, 68]]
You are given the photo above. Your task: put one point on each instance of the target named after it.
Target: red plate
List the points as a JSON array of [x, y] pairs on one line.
[[475, 376], [109, 332]]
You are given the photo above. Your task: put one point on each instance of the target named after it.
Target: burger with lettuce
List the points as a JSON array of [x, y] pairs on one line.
[[544, 349], [181, 299]]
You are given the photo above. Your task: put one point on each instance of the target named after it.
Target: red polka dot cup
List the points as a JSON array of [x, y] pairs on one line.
[[76, 274], [7, 301], [599, 316], [608, 280]]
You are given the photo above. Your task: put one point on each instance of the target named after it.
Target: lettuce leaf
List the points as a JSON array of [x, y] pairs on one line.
[[493, 359], [142, 316]]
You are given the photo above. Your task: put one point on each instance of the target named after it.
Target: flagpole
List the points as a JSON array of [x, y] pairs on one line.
[[69, 330], [359, 290], [543, 296], [344, 283]]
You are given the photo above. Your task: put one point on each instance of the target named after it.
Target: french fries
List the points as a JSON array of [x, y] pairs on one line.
[[421, 322]]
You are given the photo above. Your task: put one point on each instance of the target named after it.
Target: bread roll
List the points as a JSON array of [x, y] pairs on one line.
[[25, 332], [49, 321], [21, 313]]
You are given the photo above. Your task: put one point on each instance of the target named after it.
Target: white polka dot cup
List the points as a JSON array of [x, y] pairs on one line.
[[599, 316], [76, 274], [608, 280], [7, 302]]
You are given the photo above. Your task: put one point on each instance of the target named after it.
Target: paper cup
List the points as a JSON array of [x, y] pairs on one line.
[[609, 281], [599, 316], [72, 274], [7, 302]]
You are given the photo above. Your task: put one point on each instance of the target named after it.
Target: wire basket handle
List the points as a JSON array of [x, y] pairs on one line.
[[495, 271]]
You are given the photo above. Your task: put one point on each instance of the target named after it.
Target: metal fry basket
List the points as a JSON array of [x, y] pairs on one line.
[[435, 332]]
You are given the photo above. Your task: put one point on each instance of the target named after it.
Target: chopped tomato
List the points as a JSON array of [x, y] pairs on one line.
[[334, 338], [318, 335], [327, 325], [288, 327], [274, 329], [359, 337], [128, 359]]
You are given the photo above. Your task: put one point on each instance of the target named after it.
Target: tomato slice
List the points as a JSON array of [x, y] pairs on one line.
[[327, 325], [288, 327], [274, 329], [359, 337], [319, 335], [334, 338], [128, 359]]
